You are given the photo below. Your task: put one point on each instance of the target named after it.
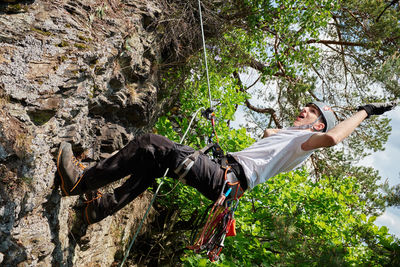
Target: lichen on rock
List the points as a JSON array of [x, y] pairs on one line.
[[78, 71]]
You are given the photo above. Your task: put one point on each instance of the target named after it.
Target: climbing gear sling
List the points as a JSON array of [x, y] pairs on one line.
[[221, 220]]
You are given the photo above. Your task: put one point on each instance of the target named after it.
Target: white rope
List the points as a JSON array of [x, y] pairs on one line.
[[190, 124], [205, 54]]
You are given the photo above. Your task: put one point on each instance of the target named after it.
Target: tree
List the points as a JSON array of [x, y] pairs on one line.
[[341, 52]]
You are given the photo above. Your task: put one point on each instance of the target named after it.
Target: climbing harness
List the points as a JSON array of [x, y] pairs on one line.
[[220, 222], [183, 168]]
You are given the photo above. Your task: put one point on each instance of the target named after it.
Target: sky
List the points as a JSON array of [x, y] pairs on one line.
[[386, 162]]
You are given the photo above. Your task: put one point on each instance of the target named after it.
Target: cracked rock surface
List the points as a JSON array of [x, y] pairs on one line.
[[77, 71]]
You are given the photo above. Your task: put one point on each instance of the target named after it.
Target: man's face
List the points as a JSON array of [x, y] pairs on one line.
[[307, 115]]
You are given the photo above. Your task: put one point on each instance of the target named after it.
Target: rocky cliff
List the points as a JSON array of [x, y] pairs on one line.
[[80, 71]]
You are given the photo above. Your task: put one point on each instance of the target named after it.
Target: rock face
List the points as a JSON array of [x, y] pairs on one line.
[[78, 71]]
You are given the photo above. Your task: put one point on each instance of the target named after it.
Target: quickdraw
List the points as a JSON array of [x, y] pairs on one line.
[[220, 222]]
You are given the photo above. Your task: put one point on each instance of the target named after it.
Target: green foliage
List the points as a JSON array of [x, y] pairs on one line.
[[291, 23], [293, 221], [226, 97]]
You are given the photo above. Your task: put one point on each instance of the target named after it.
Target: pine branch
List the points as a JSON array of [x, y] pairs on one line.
[[389, 5]]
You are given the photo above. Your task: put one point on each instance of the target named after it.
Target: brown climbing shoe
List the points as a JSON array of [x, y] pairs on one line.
[[92, 212], [70, 170]]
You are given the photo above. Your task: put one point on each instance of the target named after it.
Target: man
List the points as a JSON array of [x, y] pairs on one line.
[[147, 157]]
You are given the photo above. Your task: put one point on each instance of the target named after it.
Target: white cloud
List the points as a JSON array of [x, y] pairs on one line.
[[387, 162], [390, 219]]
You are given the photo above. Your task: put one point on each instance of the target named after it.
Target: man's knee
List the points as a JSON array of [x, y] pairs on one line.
[[151, 139], [143, 140]]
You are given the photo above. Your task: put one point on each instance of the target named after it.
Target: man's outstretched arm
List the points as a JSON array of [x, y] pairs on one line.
[[346, 127], [336, 134]]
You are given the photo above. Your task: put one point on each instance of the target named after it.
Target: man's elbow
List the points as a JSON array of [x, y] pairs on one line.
[[331, 140]]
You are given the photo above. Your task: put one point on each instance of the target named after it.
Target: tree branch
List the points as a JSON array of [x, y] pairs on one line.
[[270, 111], [390, 4], [334, 42]]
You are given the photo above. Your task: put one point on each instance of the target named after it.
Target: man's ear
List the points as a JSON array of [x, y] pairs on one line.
[[319, 126]]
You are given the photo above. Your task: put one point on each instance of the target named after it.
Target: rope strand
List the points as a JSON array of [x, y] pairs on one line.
[[205, 54], [155, 194]]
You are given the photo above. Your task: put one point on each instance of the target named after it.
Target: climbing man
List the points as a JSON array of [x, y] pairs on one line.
[[147, 157]]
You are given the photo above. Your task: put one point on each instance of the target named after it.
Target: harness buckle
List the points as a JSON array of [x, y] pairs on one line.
[[185, 166], [233, 182]]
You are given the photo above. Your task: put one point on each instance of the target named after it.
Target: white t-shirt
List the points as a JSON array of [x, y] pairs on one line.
[[277, 153]]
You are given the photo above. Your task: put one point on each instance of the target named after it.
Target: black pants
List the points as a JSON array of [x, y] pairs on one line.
[[147, 158]]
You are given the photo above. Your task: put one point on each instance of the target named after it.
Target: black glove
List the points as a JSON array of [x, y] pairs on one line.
[[378, 108]]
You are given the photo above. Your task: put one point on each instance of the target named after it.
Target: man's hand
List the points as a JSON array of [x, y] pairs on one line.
[[378, 108]]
